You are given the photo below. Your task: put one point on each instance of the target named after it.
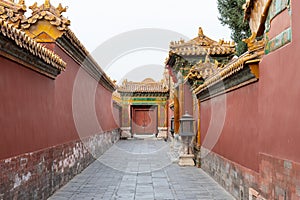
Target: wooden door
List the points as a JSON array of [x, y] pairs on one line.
[[144, 120]]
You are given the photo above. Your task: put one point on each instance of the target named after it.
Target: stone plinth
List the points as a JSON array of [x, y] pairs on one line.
[[125, 133], [186, 160], [162, 132]]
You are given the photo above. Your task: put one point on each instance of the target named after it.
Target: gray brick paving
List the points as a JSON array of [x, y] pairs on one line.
[[140, 170]]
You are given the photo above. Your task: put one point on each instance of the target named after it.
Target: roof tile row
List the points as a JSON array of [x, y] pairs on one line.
[[148, 85], [24, 41]]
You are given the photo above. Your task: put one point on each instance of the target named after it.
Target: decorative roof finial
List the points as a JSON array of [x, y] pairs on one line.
[[47, 4], [200, 32], [61, 9], [33, 7], [22, 2]]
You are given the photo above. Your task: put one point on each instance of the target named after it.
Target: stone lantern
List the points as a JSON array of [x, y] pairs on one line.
[[186, 133]]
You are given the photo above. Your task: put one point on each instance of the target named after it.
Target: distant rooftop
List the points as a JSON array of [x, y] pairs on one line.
[[202, 45], [147, 85]]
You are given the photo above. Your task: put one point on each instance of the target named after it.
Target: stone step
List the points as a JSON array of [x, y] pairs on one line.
[[144, 136]]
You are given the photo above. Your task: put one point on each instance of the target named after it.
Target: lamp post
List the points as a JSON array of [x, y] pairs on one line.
[[186, 133]]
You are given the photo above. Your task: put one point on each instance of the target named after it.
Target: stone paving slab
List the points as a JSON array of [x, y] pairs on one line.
[[141, 170]]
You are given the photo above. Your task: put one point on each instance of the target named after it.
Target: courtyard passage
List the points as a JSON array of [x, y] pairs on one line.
[[141, 169]]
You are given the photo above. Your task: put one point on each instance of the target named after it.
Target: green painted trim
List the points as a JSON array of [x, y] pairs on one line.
[[144, 99], [279, 41], [289, 7], [277, 6], [144, 103], [285, 37]]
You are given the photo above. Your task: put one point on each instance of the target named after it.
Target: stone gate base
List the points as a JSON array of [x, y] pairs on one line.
[[126, 132]]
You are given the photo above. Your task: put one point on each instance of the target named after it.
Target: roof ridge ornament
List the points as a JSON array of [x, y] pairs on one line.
[[46, 12], [201, 45], [61, 9], [200, 32], [47, 4], [12, 12], [33, 7], [22, 2]]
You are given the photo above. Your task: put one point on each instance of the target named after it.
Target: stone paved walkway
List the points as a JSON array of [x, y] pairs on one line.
[[141, 170]]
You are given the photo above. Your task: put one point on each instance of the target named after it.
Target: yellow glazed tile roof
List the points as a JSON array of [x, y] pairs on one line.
[[12, 12], [75, 41], [147, 85], [25, 42], [204, 69], [202, 45], [48, 12], [232, 67]]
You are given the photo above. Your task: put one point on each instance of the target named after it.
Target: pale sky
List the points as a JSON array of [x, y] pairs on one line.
[[102, 26]]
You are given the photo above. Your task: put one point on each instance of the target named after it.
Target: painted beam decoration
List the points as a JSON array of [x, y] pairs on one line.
[[278, 9], [262, 16]]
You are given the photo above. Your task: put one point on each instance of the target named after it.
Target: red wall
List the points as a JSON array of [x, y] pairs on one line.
[[36, 111], [117, 113], [104, 109], [279, 97], [262, 117], [231, 124]]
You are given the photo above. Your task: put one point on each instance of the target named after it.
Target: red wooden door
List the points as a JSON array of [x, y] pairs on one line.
[[144, 120], [139, 121], [151, 121]]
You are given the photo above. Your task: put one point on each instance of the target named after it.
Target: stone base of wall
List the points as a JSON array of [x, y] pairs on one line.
[[276, 179], [37, 175]]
